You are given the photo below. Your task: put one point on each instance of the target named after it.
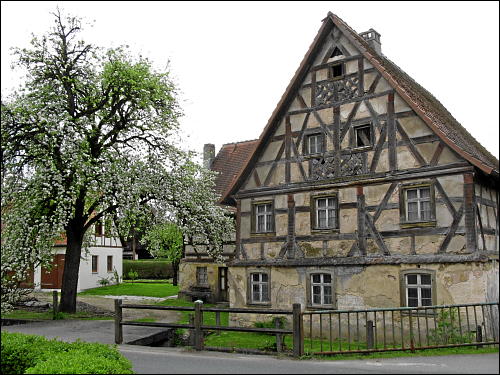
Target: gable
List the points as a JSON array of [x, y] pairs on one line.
[[371, 100]]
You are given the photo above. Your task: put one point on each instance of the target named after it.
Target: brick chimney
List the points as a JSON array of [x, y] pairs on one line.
[[373, 39], [208, 155]]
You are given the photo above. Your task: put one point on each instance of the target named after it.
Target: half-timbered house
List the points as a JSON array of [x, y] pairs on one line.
[[362, 191]]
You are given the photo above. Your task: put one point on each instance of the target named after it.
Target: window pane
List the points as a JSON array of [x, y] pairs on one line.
[[412, 302], [316, 289], [260, 208], [327, 278], [316, 278], [425, 279], [327, 291], [316, 299], [328, 300], [322, 218], [411, 193], [260, 224], [264, 277], [255, 277], [265, 292], [256, 296], [425, 193], [269, 226], [412, 293], [321, 202], [426, 293], [411, 279], [331, 218], [425, 208]]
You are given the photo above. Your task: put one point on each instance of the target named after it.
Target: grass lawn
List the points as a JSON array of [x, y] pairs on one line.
[[153, 289], [23, 314], [262, 341]]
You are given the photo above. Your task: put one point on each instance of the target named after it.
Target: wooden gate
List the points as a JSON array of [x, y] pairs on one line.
[[53, 279]]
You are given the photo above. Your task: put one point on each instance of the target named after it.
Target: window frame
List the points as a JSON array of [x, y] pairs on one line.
[[403, 205], [250, 284], [309, 291], [96, 263], [253, 221], [353, 136], [404, 286], [306, 147], [108, 257], [330, 71], [314, 212], [200, 282]]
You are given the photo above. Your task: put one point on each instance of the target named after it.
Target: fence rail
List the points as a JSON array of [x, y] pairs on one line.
[[404, 328], [326, 332]]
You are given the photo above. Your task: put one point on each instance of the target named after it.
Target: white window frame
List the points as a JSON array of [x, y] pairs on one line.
[[418, 200], [260, 283], [331, 205], [318, 143], [267, 215], [322, 284], [419, 286]]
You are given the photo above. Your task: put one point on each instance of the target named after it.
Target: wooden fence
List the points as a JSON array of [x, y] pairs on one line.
[[349, 331]]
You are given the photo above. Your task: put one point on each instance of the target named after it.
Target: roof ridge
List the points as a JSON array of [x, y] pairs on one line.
[[235, 143]]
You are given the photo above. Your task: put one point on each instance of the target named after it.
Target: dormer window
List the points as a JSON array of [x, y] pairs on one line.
[[336, 71]]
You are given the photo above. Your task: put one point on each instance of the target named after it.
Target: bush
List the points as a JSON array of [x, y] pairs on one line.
[[148, 269], [31, 354]]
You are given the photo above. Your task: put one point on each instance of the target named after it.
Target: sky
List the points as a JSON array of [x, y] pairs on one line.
[[232, 61]]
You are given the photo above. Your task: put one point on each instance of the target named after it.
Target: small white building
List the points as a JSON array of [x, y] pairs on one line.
[[104, 257]]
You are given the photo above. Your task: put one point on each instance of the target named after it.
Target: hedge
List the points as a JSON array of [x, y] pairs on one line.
[[148, 269], [32, 354]]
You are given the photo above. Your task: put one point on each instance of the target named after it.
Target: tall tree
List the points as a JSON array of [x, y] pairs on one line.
[[89, 134]]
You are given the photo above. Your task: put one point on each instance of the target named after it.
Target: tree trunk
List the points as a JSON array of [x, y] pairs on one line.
[[74, 238], [175, 268]]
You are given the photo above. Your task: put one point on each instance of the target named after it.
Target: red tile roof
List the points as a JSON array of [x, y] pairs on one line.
[[229, 161]]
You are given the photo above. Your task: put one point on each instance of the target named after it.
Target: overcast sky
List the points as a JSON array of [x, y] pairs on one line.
[[233, 60]]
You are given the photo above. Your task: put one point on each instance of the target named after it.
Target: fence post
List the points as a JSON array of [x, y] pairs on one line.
[[479, 335], [54, 304], [217, 322], [369, 334], [279, 336], [298, 331], [118, 322], [198, 320]]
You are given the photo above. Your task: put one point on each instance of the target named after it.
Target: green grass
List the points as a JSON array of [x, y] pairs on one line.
[[23, 314], [154, 281], [153, 289]]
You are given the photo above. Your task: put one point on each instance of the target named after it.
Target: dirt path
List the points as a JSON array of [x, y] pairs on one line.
[[108, 304]]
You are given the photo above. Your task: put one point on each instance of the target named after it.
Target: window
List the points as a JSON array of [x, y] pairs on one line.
[[321, 289], [418, 289], [325, 215], [336, 71], [94, 263], [417, 205], [363, 136], [201, 276], [98, 229], [262, 217], [314, 144], [110, 263], [259, 287]]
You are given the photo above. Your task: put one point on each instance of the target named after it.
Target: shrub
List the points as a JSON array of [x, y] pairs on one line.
[[149, 269], [33, 354], [104, 281], [132, 275]]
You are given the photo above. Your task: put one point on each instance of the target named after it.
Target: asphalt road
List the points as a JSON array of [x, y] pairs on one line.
[[177, 361]]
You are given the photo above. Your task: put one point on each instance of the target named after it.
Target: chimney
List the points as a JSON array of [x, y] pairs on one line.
[[373, 39], [208, 155]]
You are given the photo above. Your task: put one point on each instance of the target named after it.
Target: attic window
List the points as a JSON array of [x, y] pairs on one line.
[[337, 71], [336, 52], [363, 136]]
